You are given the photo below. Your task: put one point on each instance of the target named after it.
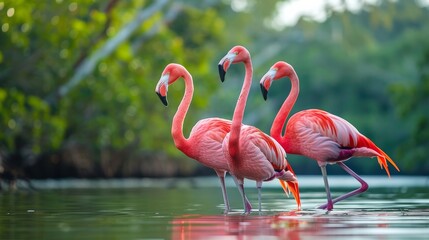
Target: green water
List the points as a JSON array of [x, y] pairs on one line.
[[194, 211]]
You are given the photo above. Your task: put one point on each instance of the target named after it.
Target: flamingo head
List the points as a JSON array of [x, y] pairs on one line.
[[171, 73], [235, 55], [278, 70]]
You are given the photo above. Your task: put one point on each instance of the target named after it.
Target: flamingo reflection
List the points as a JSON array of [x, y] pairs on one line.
[[192, 226], [288, 225]]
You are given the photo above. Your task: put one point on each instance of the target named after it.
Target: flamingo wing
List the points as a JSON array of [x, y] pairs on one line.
[[214, 128], [329, 138], [206, 139], [268, 148], [330, 126], [265, 147]]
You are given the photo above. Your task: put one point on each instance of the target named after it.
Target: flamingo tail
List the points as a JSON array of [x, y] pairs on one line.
[[381, 156], [291, 187]]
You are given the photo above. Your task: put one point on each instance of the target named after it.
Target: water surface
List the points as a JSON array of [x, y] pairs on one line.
[[192, 209]]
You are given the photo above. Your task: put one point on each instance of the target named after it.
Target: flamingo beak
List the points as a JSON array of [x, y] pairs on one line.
[[162, 88], [224, 64], [264, 91], [163, 99], [266, 81], [221, 73]]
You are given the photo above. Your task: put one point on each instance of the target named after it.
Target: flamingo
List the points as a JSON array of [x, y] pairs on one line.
[[251, 153], [204, 143], [319, 135]]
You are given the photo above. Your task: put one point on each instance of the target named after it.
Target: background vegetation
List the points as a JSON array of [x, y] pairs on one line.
[[77, 80]]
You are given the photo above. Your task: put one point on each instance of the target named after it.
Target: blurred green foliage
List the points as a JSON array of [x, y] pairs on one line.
[[29, 120], [347, 65], [413, 101], [359, 65]]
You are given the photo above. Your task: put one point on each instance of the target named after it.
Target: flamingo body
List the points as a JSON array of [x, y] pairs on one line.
[[250, 153], [204, 143], [319, 135], [260, 158], [328, 139], [206, 137]]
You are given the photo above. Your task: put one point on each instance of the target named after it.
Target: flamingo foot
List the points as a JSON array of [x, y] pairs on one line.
[[247, 205], [327, 206], [247, 208], [226, 211]]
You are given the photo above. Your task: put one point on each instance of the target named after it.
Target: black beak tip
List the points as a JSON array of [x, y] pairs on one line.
[[264, 92], [163, 99], [221, 72]]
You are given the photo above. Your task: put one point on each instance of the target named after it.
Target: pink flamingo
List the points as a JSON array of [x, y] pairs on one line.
[[251, 153], [319, 135], [205, 140]]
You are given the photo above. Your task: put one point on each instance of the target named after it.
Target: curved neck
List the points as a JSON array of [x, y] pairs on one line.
[[177, 127], [237, 118], [280, 120]]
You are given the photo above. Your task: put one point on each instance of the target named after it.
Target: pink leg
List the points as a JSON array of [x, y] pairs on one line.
[[329, 205], [361, 189], [246, 203], [259, 187], [224, 193]]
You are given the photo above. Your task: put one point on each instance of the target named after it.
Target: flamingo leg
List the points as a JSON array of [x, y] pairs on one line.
[[246, 203], [329, 205], [361, 189], [259, 187], [221, 176]]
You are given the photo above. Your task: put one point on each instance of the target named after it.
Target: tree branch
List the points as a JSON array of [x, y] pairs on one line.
[[89, 64], [169, 16], [84, 53]]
